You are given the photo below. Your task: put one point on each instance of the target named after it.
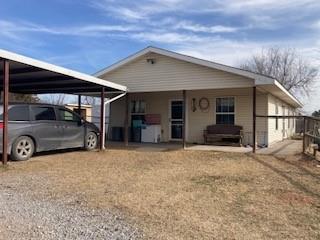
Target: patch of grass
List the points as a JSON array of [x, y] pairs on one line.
[[214, 180], [4, 167]]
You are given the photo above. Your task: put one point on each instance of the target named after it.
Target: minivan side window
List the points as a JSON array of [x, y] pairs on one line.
[[66, 115], [43, 113], [17, 113]]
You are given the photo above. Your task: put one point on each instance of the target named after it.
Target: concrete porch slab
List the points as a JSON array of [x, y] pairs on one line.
[[231, 149], [161, 147], [284, 148]]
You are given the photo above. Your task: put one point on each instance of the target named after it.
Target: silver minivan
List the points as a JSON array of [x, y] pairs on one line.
[[43, 127]]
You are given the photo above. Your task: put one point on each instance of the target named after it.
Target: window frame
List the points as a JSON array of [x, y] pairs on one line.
[[33, 115], [138, 100], [70, 111], [276, 110], [17, 105], [225, 113]]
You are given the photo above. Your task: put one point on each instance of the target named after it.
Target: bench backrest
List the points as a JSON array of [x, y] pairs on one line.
[[224, 129]]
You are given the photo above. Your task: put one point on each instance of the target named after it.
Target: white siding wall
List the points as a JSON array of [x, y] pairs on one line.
[[168, 73], [284, 130]]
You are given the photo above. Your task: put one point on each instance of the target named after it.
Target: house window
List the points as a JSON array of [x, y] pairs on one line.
[[225, 111], [277, 113], [293, 119], [138, 107]]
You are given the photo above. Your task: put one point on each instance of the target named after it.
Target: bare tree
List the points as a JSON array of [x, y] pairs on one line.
[[58, 99], [285, 65], [316, 113], [89, 100], [27, 98]]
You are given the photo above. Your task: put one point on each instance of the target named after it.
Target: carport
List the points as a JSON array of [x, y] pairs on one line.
[[24, 75]]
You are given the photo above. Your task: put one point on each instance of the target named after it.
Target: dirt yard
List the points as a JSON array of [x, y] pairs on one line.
[[181, 194]]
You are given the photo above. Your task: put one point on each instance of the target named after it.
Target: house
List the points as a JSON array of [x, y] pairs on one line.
[[161, 82]]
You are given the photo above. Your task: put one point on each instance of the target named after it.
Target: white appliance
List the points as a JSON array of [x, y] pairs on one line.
[[151, 134]]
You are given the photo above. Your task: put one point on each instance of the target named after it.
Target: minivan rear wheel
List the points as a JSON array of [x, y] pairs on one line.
[[22, 148], [91, 141]]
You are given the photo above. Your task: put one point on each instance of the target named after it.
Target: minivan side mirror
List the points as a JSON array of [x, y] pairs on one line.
[[81, 122]]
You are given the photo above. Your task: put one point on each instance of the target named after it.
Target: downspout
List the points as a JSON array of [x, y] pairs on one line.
[[103, 119]]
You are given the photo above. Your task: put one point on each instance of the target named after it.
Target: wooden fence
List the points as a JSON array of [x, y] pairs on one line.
[[311, 134]]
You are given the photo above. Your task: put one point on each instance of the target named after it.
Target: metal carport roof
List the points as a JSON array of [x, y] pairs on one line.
[[31, 76], [20, 74]]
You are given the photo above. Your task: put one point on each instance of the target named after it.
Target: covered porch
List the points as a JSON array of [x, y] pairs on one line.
[[181, 117]]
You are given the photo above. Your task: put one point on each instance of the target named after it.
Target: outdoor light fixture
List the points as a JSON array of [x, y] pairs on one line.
[[151, 60]]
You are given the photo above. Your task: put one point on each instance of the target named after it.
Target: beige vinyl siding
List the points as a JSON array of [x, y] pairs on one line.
[[283, 131], [172, 74], [158, 103]]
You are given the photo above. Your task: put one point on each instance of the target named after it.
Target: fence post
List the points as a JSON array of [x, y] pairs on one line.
[[304, 135]]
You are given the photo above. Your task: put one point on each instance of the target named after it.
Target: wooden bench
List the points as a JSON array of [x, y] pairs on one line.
[[223, 133]]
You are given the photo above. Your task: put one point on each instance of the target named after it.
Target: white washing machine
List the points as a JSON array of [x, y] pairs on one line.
[[151, 134]]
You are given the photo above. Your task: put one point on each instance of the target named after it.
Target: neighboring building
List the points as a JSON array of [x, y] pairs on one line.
[[85, 110], [91, 113], [215, 94]]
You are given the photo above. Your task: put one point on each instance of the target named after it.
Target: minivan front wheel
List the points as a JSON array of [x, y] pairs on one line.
[[91, 141], [22, 148]]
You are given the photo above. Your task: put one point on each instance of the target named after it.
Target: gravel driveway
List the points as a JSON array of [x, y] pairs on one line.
[[24, 216]]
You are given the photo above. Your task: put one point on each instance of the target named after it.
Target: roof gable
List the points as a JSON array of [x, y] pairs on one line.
[[258, 79], [186, 58]]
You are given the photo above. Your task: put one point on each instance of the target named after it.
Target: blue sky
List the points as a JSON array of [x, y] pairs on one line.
[[89, 35]]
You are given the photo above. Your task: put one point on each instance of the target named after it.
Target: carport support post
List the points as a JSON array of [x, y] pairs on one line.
[[79, 104], [126, 121], [102, 120], [184, 94], [254, 118], [5, 99]]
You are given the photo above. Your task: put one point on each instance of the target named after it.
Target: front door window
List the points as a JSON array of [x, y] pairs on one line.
[[176, 121]]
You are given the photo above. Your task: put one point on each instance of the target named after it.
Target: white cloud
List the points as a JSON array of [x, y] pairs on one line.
[[167, 37], [15, 29], [126, 13], [136, 10], [262, 14], [265, 5], [187, 25], [229, 52], [316, 25]]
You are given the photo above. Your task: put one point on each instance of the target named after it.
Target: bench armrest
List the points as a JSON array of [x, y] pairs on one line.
[[241, 133]]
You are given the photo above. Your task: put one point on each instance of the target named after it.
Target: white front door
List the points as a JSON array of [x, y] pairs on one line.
[[175, 120]]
